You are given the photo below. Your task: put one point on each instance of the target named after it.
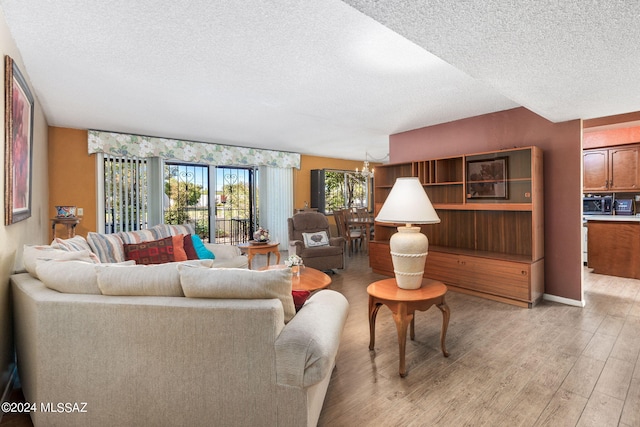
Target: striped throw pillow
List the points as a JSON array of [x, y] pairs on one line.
[[108, 247]]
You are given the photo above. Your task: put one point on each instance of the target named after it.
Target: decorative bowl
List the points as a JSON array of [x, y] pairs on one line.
[[65, 211]]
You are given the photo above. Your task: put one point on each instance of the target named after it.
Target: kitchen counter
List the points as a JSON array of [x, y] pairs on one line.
[[611, 218], [614, 245]]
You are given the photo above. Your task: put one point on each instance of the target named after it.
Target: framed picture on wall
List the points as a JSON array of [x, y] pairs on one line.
[[487, 179], [18, 124]]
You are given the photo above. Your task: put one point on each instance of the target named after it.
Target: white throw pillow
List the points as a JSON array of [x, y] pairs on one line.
[[33, 254], [238, 283], [76, 243], [143, 280], [319, 238], [70, 277]]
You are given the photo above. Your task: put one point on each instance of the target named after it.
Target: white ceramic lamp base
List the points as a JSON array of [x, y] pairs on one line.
[[409, 253]]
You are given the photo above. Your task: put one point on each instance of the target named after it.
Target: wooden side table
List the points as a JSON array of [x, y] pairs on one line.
[[403, 303], [267, 248], [69, 222]]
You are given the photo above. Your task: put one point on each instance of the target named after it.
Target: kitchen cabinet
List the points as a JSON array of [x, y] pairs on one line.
[[612, 169], [485, 245], [614, 247]]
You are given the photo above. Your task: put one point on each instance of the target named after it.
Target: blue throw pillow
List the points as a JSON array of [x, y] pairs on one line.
[[203, 253]]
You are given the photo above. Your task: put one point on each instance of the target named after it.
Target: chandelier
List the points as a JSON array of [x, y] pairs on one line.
[[366, 172]]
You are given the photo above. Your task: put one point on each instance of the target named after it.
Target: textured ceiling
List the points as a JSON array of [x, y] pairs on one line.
[[321, 77]]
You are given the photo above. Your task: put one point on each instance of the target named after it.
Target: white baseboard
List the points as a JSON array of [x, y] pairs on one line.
[[562, 300]]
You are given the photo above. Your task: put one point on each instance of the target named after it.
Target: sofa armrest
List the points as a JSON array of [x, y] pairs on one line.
[[223, 251], [307, 346]]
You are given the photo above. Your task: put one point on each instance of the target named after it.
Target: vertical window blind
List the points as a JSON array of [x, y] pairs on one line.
[[126, 194]]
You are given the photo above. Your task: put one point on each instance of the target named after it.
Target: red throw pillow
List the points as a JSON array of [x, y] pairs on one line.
[[179, 253], [154, 252], [189, 248], [299, 298]]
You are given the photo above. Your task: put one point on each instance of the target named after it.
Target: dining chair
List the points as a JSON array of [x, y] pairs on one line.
[[353, 236], [364, 215]]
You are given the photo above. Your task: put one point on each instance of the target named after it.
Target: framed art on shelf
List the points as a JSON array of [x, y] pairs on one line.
[[18, 125], [487, 179]]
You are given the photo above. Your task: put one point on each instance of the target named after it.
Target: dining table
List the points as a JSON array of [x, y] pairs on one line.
[[365, 224]]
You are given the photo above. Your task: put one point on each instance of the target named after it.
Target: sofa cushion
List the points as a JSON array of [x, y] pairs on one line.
[[142, 280], [76, 243], [71, 277], [232, 283], [138, 236], [312, 240], [167, 230], [33, 254], [153, 252], [201, 250], [179, 253], [108, 247], [235, 262], [188, 247]]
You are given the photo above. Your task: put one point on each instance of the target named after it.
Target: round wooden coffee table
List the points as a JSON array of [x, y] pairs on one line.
[[403, 303], [309, 279]]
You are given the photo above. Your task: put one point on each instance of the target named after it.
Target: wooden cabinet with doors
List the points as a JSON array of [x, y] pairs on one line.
[[612, 169], [489, 243]]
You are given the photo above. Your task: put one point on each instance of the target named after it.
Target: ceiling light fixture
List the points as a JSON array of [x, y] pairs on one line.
[[366, 172]]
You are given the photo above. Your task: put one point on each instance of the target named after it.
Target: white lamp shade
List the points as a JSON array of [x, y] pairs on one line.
[[408, 203]]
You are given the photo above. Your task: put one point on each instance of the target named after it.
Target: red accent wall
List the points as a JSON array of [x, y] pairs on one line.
[[561, 145]]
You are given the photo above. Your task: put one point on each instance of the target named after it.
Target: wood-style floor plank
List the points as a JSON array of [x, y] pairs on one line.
[[547, 366]]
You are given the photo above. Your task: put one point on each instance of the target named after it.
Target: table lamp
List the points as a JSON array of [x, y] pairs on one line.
[[409, 204]]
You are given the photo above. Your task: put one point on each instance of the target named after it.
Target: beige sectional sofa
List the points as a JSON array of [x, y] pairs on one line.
[[232, 351]]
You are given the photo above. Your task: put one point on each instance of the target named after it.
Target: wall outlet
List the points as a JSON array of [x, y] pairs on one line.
[[80, 211]]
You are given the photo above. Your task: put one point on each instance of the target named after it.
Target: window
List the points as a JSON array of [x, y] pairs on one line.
[[186, 196], [236, 210], [335, 189], [138, 193], [125, 194]]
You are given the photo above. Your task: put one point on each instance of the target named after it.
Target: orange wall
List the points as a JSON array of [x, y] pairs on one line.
[[302, 177], [561, 144], [72, 175]]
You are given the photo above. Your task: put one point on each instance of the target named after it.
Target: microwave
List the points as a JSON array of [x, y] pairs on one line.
[[597, 205]]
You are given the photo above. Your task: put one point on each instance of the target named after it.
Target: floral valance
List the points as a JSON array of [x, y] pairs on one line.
[[119, 144]]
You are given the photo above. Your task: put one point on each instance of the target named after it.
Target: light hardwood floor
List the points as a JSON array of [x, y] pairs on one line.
[[554, 365]]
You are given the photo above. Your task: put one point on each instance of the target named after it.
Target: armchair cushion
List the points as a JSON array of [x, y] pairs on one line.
[[313, 240]]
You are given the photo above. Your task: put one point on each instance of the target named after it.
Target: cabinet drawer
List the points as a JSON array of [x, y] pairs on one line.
[[504, 278], [497, 277], [443, 267]]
